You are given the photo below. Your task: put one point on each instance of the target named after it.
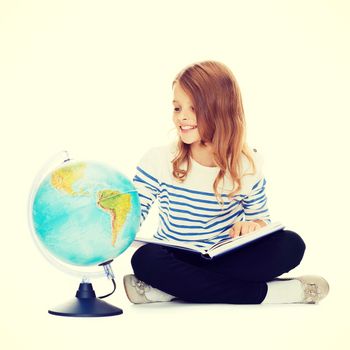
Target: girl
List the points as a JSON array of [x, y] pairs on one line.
[[210, 186]]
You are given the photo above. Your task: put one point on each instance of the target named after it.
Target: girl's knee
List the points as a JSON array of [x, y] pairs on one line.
[[145, 258], [294, 246], [295, 240]]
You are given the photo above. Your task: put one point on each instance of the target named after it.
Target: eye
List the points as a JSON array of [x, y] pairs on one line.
[[177, 108]]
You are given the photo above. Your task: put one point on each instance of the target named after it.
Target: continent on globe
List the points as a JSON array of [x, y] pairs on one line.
[[118, 205], [84, 213], [64, 178]]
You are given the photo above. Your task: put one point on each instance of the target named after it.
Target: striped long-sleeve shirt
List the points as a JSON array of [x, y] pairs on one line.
[[189, 211]]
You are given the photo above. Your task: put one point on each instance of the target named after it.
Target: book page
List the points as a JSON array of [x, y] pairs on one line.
[[247, 237]]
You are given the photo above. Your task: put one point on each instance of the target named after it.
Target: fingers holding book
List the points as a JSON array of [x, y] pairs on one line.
[[243, 227]]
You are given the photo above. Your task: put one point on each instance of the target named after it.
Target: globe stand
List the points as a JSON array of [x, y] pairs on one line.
[[86, 304]]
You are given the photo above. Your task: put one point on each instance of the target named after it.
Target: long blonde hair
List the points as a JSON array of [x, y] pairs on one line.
[[217, 101]]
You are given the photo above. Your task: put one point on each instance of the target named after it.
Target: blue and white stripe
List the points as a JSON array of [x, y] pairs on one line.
[[188, 215]]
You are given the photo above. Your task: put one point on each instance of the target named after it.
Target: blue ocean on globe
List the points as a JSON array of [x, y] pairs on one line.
[[86, 213]]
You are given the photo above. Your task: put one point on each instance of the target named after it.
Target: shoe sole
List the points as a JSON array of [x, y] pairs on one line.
[[125, 287]]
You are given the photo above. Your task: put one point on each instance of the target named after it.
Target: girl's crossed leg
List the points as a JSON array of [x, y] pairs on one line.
[[238, 277]]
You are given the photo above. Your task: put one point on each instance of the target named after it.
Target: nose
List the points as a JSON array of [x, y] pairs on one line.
[[184, 116], [181, 119]]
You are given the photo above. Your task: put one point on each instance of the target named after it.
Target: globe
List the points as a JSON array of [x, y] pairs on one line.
[[84, 214]]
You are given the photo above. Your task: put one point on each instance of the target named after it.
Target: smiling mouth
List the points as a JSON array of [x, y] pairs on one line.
[[187, 129]]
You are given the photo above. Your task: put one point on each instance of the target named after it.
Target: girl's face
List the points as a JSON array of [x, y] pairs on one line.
[[184, 115]]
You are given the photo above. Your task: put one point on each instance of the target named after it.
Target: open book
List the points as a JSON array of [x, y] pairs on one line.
[[219, 248]]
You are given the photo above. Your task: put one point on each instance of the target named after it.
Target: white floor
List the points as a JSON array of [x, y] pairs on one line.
[[25, 323]]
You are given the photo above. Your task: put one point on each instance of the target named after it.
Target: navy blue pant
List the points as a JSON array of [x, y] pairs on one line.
[[238, 277]]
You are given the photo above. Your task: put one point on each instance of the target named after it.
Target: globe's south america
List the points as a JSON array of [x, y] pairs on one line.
[[86, 213]]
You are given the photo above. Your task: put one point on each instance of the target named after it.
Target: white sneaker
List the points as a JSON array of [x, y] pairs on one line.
[[315, 288], [138, 292]]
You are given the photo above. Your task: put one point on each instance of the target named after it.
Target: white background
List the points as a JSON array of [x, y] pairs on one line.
[[94, 77]]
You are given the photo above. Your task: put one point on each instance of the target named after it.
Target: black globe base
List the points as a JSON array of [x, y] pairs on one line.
[[85, 304]]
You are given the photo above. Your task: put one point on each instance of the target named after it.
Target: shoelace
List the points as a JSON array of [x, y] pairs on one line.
[[312, 293], [141, 287]]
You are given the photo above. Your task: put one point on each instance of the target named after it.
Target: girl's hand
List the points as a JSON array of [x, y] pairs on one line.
[[243, 227]]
